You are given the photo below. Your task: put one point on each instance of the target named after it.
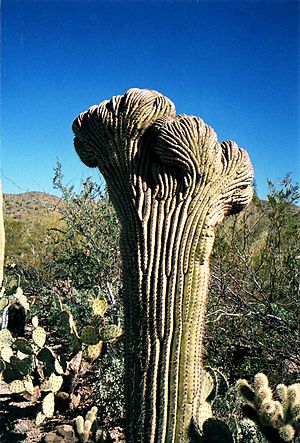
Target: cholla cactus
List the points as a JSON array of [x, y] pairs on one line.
[[281, 413], [83, 427]]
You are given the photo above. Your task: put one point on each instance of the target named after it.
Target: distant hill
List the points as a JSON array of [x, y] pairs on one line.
[[29, 204], [27, 219]]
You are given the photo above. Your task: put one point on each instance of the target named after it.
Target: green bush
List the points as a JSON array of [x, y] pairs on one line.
[[253, 307], [86, 249]]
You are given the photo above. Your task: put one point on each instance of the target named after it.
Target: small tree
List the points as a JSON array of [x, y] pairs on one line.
[[86, 249]]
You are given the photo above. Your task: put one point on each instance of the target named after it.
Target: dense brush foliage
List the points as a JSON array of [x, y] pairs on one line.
[[86, 250], [253, 313], [252, 325]]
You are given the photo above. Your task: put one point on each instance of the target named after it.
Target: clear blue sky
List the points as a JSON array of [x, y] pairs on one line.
[[234, 64]]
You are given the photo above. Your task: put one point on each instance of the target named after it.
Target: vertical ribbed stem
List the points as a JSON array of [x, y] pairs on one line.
[[169, 347]]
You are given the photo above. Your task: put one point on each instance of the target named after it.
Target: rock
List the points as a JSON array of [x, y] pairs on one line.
[[51, 437], [20, 428], [62, 434], [66, 431]]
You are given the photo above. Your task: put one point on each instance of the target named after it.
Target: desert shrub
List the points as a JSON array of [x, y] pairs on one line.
[[253, 310], [108, 391], [86, 249], [25, 244]]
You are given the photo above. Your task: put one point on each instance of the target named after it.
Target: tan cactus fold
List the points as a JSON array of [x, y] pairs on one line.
[[171, 182]]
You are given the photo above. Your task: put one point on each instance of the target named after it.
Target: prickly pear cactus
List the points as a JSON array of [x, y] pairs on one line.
[[55, 382], [99, 330], [39, 336], [48, 405], [171, 182], [6, 353], [99, 307], [23, 345], [90, 335], [24, 361]]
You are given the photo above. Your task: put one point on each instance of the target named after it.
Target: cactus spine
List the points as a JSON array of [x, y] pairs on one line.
[[84, 427], [281, 415], [171, 182]]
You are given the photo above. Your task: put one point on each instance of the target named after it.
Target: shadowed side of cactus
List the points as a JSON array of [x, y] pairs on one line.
[[171, 182]]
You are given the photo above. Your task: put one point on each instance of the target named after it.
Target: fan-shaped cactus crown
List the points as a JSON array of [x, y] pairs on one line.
[[141, 127]]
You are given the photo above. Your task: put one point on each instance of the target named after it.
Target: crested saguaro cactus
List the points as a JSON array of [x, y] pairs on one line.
[[171, 182]]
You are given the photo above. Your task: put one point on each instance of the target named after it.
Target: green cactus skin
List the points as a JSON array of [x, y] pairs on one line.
[[89, 335], [40, 418], [24, 366], [92, 414], [171, 182], [28, 383], [69, 322], [93, 351], [48, 405], [39, 336], [110, 333], [206, 389], [35, 321], [23, 345], [79, 424], [99, 307], [3, 303], [10, 374], [55, 382], [6, 339], [17, 386], [6, 353]]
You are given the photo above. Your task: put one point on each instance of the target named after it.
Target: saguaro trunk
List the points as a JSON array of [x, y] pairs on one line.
[[171, 183]]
